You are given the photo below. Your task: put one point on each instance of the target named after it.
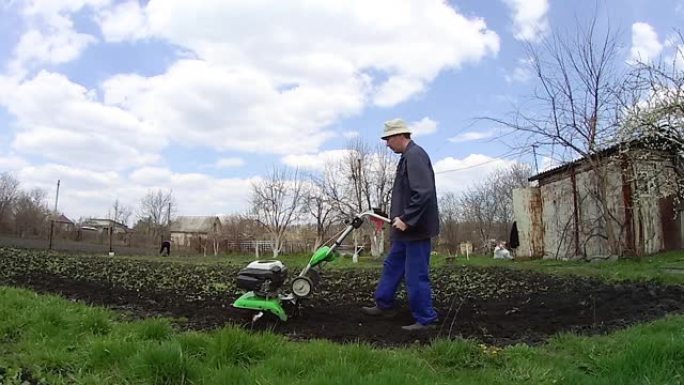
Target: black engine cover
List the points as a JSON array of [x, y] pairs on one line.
[[253, 279]]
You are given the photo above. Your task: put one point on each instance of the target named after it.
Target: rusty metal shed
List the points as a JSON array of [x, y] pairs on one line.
[[562, 218]]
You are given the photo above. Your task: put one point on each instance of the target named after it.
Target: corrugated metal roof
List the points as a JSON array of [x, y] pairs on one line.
[[194, 224], [566, 166], [103, 222], [648, 143]]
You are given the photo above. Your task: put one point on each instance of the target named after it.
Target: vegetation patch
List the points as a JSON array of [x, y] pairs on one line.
[[495, 306]]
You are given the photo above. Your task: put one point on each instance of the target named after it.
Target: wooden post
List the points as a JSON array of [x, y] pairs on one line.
[[52, 228], [111, 230]]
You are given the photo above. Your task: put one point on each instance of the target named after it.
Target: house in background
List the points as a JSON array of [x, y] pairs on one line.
[[63, 223], [195, 232], [102, 225], [562, 218]]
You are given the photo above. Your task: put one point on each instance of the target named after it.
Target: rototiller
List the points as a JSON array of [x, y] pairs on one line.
[[265, 278]]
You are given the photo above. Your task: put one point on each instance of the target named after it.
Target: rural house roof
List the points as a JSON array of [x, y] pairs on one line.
[[104, 223], [604, 153], [194, 224], [63, 219]]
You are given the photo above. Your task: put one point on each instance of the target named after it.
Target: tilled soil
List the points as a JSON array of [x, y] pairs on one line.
[[544, 306]]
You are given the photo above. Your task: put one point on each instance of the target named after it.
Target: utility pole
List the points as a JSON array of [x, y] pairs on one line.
[[534, 151], [52, 219], [56, 197]]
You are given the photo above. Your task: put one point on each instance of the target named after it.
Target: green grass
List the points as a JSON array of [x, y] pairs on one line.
[[664, 267], [48, 340]]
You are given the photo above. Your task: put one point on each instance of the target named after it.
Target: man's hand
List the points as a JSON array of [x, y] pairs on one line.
[[399, 224]]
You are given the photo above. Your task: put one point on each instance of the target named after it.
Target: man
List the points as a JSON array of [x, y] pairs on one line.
[[415, 221], [165, 246]]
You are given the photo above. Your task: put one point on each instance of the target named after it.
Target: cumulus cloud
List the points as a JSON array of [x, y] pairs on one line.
[[252, 78], [255, 67], [85, 193], [521, 73], [530, 19], [63, 122], [471, 136], [645, 43], [351, 134], [12, 162], [125, 21], [315, 162], [456, 175], [51, 37], [229, 163], [424, 126]]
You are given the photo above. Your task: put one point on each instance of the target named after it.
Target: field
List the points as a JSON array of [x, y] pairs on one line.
[[497, 307]]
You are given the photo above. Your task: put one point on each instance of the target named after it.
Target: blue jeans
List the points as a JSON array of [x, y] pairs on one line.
[[409, 260]]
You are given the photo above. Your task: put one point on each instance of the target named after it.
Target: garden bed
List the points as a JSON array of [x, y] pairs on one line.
[[493, 305]]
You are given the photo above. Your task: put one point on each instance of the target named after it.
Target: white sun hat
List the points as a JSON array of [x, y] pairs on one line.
[[395, 127]]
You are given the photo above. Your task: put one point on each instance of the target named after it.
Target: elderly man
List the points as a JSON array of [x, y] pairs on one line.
[[415, 220]]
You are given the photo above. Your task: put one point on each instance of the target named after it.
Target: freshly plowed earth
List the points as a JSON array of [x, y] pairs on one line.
[[532, 308]]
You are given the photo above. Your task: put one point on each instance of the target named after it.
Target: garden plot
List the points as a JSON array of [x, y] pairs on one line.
[[493, 305]]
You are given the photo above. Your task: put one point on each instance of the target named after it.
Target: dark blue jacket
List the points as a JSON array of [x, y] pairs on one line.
[[414, 198]]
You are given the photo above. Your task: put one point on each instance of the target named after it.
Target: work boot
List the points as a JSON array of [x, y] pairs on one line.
[[375, 311], [416, 327]]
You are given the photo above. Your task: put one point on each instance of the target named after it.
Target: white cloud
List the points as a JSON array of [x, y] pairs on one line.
[[256, 68], [239, 109], [470, 136], [397, 89], [85, 193], [522, 72], [11, 163], [424, 126], [315, 162], [50, 37], [351, 134], [48, 8], [645, 43], [123, 22], [53, 46], [62, 121], [530, 19], [547, 163], [229, 163], [456, 175]]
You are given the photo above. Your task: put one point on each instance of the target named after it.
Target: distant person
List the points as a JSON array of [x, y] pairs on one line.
[[514, 241], [501, 252], [165, 246], [415, 220]]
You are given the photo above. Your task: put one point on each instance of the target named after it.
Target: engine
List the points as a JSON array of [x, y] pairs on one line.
[[263, 277]]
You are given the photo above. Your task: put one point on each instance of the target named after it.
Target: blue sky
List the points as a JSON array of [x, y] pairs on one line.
[[116, 98]]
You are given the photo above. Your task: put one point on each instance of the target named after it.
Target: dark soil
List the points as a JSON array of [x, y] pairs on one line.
[[545, 306]]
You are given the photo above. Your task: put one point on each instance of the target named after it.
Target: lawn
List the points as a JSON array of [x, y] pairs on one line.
[[46, 339]]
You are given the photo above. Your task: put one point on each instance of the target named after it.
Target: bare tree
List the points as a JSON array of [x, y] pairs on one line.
[[450, 215], [479, 205], [238, 228], [361, 181], [156, 210], [121, 213], [31, 213], [9, 191], [502, 182], [276, 202], [574, 109], [652, 125], [488, 206], [316, 205]]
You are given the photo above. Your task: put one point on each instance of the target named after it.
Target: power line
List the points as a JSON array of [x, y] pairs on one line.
[[495, 159]]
